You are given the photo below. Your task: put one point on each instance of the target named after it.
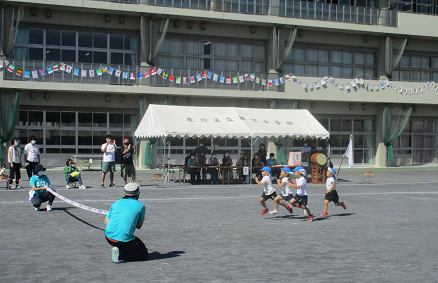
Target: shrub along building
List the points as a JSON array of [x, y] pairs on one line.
[[88, 68]]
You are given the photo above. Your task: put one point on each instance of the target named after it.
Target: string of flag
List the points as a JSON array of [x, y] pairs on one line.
[[85, 207], [156, 71]]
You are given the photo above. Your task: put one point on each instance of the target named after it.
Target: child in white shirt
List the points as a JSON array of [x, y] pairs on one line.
[[331, 194], [268, 191], [286, 194], [300, 199]]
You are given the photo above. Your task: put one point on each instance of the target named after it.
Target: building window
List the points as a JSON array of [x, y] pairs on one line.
[[416, 68], [73, 46], [418, 140], [337, 63], [212, 54], [74, 132]]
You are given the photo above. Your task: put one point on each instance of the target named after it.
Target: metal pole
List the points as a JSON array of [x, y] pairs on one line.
[[168, 164], [250, 171]]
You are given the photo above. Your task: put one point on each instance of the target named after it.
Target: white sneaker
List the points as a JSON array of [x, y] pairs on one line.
[[115, 255], [49, 208], [68, 187], [36, 208], [305, 212], [273, 212], [82, 187]]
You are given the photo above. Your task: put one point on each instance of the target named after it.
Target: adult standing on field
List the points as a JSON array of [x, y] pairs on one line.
[[127, 165], [32, 156], [109, 160]]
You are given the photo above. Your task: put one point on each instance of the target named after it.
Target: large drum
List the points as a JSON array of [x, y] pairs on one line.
[[319, 158]]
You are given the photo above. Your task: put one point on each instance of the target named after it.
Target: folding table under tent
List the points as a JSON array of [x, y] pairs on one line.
[[232, 122]]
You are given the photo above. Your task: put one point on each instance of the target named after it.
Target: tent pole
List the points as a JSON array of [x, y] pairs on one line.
[[250, 171], [164, 157], [168, 164]]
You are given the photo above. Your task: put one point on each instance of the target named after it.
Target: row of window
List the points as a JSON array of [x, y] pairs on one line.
[[416, 68], [73, 46], [418, 139], [74, 132]]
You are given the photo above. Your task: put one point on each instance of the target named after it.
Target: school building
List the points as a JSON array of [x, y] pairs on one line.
[[361, 67]]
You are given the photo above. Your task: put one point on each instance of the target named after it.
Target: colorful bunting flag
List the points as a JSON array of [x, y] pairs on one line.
[[209, 74], [43, 72], [11, 68], [159, 71], [55, 67], [178, 80], [185, 80], [99, 72], [263, 82], [139, 76], [235, 80], [146, 74], [215, 77], [62, 67], [228, 80], [222, 79], [282, 80], [49, 70], [76, 72], [68, 69], [110, 70], [241, 79], [84, 73], [18, 72], [132, 76], [118, 73], [198, 77], [27, 74], [171, 78], [204, 75], [91, 72], [34, 74], [251, 77], [153, 72], [125, 75], [276, 82], [192, 79], [269, 82]]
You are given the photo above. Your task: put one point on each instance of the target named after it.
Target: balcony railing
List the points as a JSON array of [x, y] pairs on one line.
[[156, 80], [283, 8]]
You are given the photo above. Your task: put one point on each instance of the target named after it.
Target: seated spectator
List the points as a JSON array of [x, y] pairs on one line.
[[213, 161], [194, 172], [313, 149], [240, 163], [304, 148], [257, 161], [263, 153], [72, 174], [271, 161]]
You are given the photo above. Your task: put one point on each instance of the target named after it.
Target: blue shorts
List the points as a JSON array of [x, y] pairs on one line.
[[287, 198]]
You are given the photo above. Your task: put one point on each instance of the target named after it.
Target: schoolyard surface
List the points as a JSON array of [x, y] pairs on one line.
[[215, 233]]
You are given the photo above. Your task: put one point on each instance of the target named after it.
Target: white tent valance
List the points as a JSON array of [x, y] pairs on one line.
[[187, 121]]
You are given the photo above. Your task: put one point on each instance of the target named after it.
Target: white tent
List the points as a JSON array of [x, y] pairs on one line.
[[187, 121]]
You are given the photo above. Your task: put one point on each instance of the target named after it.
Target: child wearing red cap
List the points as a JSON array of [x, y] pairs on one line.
[[268, 191]]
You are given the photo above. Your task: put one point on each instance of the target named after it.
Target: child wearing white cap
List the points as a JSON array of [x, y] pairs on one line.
[[331, 194], [269, 191], [300, 199], [286, 194]]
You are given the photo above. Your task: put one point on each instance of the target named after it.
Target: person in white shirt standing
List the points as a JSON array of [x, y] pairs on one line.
[[268, 189], [331, 194], [32, 156], [300, 199], [286, 194], [109, 160], [14, 159]]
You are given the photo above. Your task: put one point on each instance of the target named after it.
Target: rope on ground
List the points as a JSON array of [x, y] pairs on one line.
[[84, 207]]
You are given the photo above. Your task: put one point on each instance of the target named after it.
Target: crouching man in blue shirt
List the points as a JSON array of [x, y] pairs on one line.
[[124, 216]]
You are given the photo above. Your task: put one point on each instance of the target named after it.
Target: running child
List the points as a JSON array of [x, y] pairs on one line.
[[300, 199], [286, 194], [331, 194], [268, 191]]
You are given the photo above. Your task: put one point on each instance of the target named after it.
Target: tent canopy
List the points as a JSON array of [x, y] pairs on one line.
[[187, 121]]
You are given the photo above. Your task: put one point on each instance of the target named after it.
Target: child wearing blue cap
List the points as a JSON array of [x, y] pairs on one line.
[[269, 191], [300, 199], [331, 194], [286, 194]]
